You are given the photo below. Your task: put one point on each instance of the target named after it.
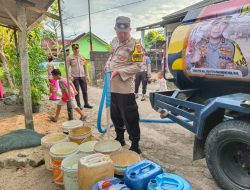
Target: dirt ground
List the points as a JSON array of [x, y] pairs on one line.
[[168, 144]]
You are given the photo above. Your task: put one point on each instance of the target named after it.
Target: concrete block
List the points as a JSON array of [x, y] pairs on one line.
[[16, 162]]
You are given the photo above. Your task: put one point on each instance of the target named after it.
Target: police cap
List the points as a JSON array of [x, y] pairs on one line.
[[122, 24]]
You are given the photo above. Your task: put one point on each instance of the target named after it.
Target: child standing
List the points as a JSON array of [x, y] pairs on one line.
[[53, 83], [64, 86], [162, 86]]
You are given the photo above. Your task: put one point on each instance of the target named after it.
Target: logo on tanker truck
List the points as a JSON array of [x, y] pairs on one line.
[[219, 46]]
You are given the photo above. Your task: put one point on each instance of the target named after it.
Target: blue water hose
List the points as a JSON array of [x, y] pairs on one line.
[[105, 95]]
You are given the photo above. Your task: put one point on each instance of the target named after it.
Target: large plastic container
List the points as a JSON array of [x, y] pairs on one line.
[[137, 176], [58, 152], [93, 168], [170, 182], [47, 142], [70, 168]]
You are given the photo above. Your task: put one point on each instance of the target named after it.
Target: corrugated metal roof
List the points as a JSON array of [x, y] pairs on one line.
[[179, 15], [35, 10]]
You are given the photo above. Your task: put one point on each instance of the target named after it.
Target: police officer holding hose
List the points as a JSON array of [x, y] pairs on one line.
[[124, 109]]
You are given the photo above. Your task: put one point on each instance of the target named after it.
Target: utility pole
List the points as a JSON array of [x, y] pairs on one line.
[[69, 105], [90, 33]]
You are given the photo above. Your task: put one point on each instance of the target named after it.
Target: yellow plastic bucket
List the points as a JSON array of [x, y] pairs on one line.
[[80, 140], [47, 142], [80, 135], [122, 159], [58, 152]]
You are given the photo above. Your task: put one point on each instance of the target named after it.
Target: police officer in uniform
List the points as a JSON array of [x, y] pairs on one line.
[[124, 109], [79, 75], [143, 76], [217, 52]]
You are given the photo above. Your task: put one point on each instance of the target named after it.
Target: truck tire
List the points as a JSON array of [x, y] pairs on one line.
[[227, 151]]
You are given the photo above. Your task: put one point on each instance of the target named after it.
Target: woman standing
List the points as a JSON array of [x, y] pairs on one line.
[[53, 83]]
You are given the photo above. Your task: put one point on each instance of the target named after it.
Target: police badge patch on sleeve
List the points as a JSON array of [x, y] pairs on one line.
[[137, 55]]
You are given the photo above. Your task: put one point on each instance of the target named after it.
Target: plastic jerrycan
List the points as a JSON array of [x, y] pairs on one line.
[[168, 181], [137, 176], [111, 183], [93, 168]]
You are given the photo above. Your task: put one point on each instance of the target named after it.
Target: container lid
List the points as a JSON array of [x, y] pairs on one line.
[[72, 124], [53, 138], [87, 147], [124, 158], [107, 146], [95, 160], [63, 149]]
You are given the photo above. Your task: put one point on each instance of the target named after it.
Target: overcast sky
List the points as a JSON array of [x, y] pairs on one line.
[[141, 13]]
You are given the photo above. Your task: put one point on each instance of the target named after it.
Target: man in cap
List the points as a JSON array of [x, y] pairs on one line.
[[79, 74], [124, 109], [218, 52]]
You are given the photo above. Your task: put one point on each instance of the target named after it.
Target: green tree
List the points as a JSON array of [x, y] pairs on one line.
[[6, 43], [51, 30], [152, 37], [36, 55]]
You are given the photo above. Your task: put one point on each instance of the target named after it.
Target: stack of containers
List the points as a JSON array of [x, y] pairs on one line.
[[47, 142], [70, 171], [77, 132], [70, 165], [58, 152]]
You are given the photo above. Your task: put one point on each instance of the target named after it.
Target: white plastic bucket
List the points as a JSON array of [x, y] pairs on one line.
[[70, 169], [47, 142], [58, 152], [87, 147]]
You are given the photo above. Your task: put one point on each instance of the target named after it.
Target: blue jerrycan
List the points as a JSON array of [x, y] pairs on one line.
[[137, 176], [168, 181]]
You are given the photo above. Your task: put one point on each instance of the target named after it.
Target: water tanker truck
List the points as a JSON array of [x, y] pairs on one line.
[[209, 59]]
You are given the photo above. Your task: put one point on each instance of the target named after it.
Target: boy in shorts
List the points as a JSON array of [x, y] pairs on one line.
[[64, 86]]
